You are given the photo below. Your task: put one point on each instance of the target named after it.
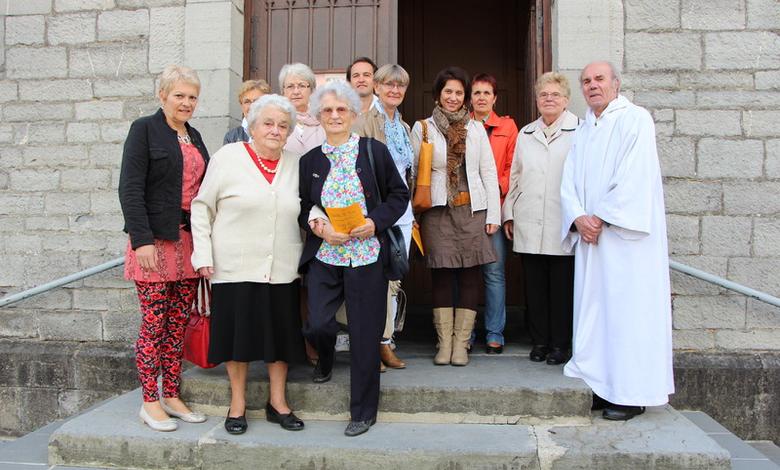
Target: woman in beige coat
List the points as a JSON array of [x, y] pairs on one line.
[[532, 219]]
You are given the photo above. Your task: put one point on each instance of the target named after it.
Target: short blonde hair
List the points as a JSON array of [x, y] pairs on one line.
[[391, 73], [261, 85], [555, 78], [177, 73]]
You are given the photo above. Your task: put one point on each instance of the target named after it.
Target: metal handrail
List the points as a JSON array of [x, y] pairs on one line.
[[8, 300], [685, 269]]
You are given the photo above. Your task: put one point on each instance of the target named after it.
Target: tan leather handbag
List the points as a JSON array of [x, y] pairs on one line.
[[421, 200]]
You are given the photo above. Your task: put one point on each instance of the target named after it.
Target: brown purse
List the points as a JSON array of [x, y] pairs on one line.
[[421, 200]]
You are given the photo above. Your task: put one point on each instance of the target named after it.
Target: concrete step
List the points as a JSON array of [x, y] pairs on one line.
[[112, 436], [496, 389]]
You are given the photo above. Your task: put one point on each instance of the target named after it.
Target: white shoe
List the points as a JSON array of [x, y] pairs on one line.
[[191, 417], [163, 425]]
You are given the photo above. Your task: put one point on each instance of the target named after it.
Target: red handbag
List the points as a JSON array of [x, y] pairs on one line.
[[196, 337]]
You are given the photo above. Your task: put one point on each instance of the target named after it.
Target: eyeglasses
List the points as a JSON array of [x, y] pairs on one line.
[[247, 101], [554, 95], [296, 86], [341, 111], [392, 85]]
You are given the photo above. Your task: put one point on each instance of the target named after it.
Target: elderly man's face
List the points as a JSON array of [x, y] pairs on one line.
[[599, 86]]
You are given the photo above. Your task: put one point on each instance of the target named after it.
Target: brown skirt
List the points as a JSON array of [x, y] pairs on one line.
[[453, 237]]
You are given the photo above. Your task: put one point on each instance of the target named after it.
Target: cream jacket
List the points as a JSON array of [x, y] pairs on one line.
[[480, 168], [244, 227], [534, 198]]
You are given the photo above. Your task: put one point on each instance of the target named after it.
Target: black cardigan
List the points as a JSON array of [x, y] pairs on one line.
[[314, 169], [150, 179]]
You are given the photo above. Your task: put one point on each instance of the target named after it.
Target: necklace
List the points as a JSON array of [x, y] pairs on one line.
[[260, 162], [184, 139]]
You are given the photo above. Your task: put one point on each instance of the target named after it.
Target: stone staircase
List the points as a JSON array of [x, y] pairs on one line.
[[500, 412]]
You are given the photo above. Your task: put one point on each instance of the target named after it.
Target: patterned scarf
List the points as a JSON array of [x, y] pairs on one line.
[[397, 140], [453, 125], [307, 119]]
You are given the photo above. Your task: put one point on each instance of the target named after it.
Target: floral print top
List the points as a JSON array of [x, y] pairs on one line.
[[342, 188]]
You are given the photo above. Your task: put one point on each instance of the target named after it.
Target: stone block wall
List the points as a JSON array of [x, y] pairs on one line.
[[73, 75]]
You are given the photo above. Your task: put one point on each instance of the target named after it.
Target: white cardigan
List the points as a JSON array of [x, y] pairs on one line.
[[480, 168], [244, 227], [534, 198]]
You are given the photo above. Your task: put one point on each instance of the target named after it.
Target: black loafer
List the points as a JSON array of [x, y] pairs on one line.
[[287, 421], [320, 376], [557, 356], [621, 412], [356, 428], [539, 353], [494, 349], [235, 425], [599, 403]]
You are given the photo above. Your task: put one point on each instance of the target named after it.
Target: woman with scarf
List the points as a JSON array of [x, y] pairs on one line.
[[383, 122], [298, 82], [466, 210]]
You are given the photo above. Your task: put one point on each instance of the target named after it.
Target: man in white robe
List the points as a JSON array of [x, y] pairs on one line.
[[613, 218]]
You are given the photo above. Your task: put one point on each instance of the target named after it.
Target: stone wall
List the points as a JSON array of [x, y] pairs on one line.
[[709, 71]]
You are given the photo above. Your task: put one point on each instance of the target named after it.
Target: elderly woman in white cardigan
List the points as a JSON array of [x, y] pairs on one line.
[[247, 241]]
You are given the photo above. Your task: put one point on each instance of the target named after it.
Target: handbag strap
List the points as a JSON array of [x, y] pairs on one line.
[[370, 142], [424, 125]]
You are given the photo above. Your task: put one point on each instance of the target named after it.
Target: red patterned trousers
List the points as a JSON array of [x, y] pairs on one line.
[[165, 307]]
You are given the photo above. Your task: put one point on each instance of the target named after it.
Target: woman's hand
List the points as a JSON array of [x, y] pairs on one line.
[[509, 229], [147, 257], [206, 271], [490, 229], [364, 231], [323, 229]]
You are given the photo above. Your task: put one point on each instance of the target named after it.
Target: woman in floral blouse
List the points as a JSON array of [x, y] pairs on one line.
[[348, 267]]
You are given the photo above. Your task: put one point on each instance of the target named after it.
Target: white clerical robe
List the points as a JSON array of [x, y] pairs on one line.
[[622, 343]]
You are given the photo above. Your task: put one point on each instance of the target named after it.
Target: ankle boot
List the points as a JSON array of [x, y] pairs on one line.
[[442, 320], [464, 324]]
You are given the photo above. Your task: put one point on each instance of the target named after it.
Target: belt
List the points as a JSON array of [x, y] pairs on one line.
[[461, 199]]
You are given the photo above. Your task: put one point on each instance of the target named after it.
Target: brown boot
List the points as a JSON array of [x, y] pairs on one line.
[[382, 368], [464, 324], [389, 358], [442, 320]]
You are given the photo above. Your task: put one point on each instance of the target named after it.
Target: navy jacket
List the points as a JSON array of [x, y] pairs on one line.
[[314, 169], [236, 134], [150, 179]]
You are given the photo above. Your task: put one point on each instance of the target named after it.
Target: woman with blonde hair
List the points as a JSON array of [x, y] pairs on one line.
[[251, 91]]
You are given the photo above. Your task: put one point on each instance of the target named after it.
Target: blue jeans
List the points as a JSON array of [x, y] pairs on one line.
[[495, 291]]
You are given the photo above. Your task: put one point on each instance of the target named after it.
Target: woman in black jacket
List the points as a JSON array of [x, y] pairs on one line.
[[163, 163]]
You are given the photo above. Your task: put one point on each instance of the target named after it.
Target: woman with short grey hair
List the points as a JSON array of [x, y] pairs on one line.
[[297, 82], [247, 241], [341, 91]]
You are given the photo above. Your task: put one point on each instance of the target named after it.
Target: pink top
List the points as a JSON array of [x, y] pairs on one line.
[[173, 257]]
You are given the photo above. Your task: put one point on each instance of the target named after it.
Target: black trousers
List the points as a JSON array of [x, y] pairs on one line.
[[364, 290], [549, 290]]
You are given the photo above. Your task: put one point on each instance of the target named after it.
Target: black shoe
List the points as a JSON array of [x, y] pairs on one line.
[[356, 428], [236, 425], [287, 421], [599, 403], [494, 349], [557, 356], [621, 412], [320, 376], [539, 353]]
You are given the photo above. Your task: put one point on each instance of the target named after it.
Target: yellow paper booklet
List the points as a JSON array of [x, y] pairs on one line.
[[418, 239], [344, 219]]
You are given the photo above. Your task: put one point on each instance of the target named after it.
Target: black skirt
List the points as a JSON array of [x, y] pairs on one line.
[[252, 321]]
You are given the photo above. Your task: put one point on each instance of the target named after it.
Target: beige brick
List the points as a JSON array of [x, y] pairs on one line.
[[11, 157], [706, 312], [104, 202], [114, 131], [166, 37], [766, 236], [75, 28], [121, 326], [693, 340], [22, 243], [710, 122], [663, 115], [742, 50], [738, 99], [662, 14], [763, 14], [37, 111], [139, 107], [123, 24], [677, 156], [89, 223], [124, 87], [663, 51], [648, 80], [3, 180], [85, 179], [66, 203], [772, 166], [83, 132], [759, 198], [36, 62], [713, 14], [37, 133], [74, 243], [79, 5], [9, 91], [10, 223], [17, 323], [55, 156], [683, 284], [26, 30], [716, 79], [6, 134], [34, 180], [748, 340], [761, 123], [683, 234], [149, 3], [38, 223], [71, 326], [25, 7], [665, 99], [762, 315], [726, 236], [55, 90], [768, 80], [692, 197], [106, 155], [109, 60], [759, 273], [99, 109], [721, 158], [20, 204]]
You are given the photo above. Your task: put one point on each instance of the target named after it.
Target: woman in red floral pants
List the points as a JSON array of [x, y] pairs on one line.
[[163, 164]]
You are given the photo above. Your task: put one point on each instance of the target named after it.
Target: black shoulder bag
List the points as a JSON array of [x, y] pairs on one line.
[[399, 260]]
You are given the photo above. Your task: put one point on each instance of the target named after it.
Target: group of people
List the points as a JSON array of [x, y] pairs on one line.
[[262, 219]]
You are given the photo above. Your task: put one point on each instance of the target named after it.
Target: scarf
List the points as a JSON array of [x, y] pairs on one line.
[[245, 125], [453, 125], [306, 119], [397, 140], [549, 131]]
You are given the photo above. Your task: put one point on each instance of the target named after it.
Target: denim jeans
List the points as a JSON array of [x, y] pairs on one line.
[[495, 291]]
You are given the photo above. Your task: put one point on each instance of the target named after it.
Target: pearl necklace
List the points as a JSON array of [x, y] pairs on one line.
[[260, 162]]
